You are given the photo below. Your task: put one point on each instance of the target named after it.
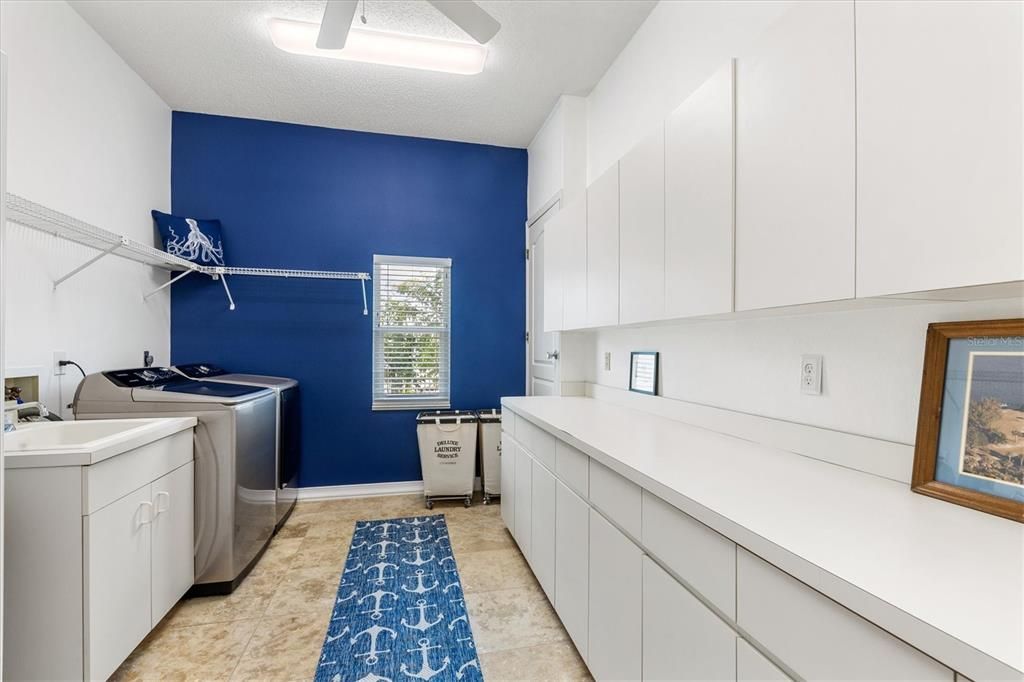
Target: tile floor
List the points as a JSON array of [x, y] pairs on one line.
[[272, 626]]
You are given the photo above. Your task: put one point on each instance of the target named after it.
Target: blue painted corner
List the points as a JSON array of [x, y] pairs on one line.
[[291, 196]]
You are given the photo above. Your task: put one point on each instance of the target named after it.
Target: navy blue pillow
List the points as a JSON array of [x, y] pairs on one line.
[[191, 238]]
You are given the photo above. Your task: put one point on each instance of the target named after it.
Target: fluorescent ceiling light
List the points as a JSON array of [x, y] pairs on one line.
[[380, 47]]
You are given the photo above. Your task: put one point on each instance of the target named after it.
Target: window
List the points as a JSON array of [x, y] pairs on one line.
[[411, 332]]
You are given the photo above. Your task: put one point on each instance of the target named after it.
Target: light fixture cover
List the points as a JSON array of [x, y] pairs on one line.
[[382, 47]]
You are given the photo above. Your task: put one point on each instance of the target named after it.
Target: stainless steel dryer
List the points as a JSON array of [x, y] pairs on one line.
[[235, 446], [289, 433]]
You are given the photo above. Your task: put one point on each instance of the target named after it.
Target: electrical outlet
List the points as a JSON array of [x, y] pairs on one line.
[[810, 374], [58, 356], [607, 362]]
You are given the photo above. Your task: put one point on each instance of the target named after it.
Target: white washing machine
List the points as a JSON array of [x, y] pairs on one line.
[[289, 429], [235, 453]]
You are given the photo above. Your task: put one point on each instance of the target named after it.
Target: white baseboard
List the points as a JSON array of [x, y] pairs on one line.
[[337, 492], [340, 492]]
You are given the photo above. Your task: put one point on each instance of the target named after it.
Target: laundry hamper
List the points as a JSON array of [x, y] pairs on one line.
[[447, 441], [489, 445]]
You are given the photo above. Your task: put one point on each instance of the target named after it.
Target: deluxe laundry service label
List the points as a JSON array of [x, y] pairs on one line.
[[447, 449]]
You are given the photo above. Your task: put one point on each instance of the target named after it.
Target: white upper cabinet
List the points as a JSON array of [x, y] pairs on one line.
[[642, 229], [603, 249], [572, 258], [795, 174], [699, 201], [552, 268], [939, 144]]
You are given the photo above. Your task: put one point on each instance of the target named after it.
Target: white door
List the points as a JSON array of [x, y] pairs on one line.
[[542, 535], [642, 222], [682, 638], [523, 525], [508, 482], [939, 145], [795, 160], [173, 560], [603, 249], [541, 346], [572, 554], [117, 577], [614, 650]]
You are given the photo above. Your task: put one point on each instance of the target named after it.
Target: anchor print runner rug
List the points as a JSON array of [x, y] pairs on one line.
[[399, 615]]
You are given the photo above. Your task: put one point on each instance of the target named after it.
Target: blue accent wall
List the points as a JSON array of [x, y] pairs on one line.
[[300, 197]]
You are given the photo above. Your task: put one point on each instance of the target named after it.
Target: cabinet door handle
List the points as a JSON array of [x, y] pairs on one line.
[[147, 518], [161, 509]]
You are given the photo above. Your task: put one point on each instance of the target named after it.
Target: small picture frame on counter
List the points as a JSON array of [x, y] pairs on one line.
[[643, 372], [970, 432]]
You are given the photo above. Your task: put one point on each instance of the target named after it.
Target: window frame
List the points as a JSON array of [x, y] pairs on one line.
[[416, 401]]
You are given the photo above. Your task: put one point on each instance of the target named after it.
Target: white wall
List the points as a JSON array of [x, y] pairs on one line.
[[677, 48], [86, 136], [871, 370]]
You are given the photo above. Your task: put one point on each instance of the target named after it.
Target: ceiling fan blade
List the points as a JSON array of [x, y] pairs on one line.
[[336, 23], [468, 16]]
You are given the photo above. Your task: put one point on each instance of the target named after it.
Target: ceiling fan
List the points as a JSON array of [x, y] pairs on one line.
[[465, 14]]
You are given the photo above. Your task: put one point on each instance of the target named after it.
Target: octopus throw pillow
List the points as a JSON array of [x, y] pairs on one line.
[[191, 238]]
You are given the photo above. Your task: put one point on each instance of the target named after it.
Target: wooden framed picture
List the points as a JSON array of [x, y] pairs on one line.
[[643, 372], [970, 427]]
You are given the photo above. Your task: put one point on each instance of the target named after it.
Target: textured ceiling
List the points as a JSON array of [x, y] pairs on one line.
[[216, 56]]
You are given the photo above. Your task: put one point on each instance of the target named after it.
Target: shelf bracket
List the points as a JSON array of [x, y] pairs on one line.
[[224, 282], [166, 284], [363, 282], [86, 264]]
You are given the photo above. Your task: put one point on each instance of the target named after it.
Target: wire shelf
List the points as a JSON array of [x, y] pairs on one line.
[[38, 217], [297, 274]]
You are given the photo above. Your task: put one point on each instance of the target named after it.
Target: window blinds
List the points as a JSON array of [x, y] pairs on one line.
[[411, 332]]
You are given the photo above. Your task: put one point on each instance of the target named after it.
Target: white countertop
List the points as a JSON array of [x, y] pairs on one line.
[[945, 579], [82, 443]]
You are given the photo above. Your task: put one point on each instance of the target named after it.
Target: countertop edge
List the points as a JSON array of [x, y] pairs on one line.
[[961, 656]]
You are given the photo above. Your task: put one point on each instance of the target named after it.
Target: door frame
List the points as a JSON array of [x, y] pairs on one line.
[[528, 337]]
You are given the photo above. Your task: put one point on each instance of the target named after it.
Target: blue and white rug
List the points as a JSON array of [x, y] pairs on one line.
[[399, 614]]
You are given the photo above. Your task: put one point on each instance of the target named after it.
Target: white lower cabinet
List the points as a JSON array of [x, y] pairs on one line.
[[138, 564], [508, 480], [572, 558], [523, 525], [752, 666], [665, 597], [682, 638], [816, 637], [95, 555], [542, 535], [616, 597], [173, 524], [118, 549]]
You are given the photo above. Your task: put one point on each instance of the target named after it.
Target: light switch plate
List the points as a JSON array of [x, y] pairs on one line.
[[607, 362], [810, 374]]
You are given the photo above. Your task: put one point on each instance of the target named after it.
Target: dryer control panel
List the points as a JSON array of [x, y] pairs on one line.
[[201, 370], [142, 377]]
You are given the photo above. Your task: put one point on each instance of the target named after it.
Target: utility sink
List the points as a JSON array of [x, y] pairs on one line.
[[80, 443]]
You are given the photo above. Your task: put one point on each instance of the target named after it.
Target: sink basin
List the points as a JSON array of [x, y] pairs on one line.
[[49, 435], [83, 442]]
